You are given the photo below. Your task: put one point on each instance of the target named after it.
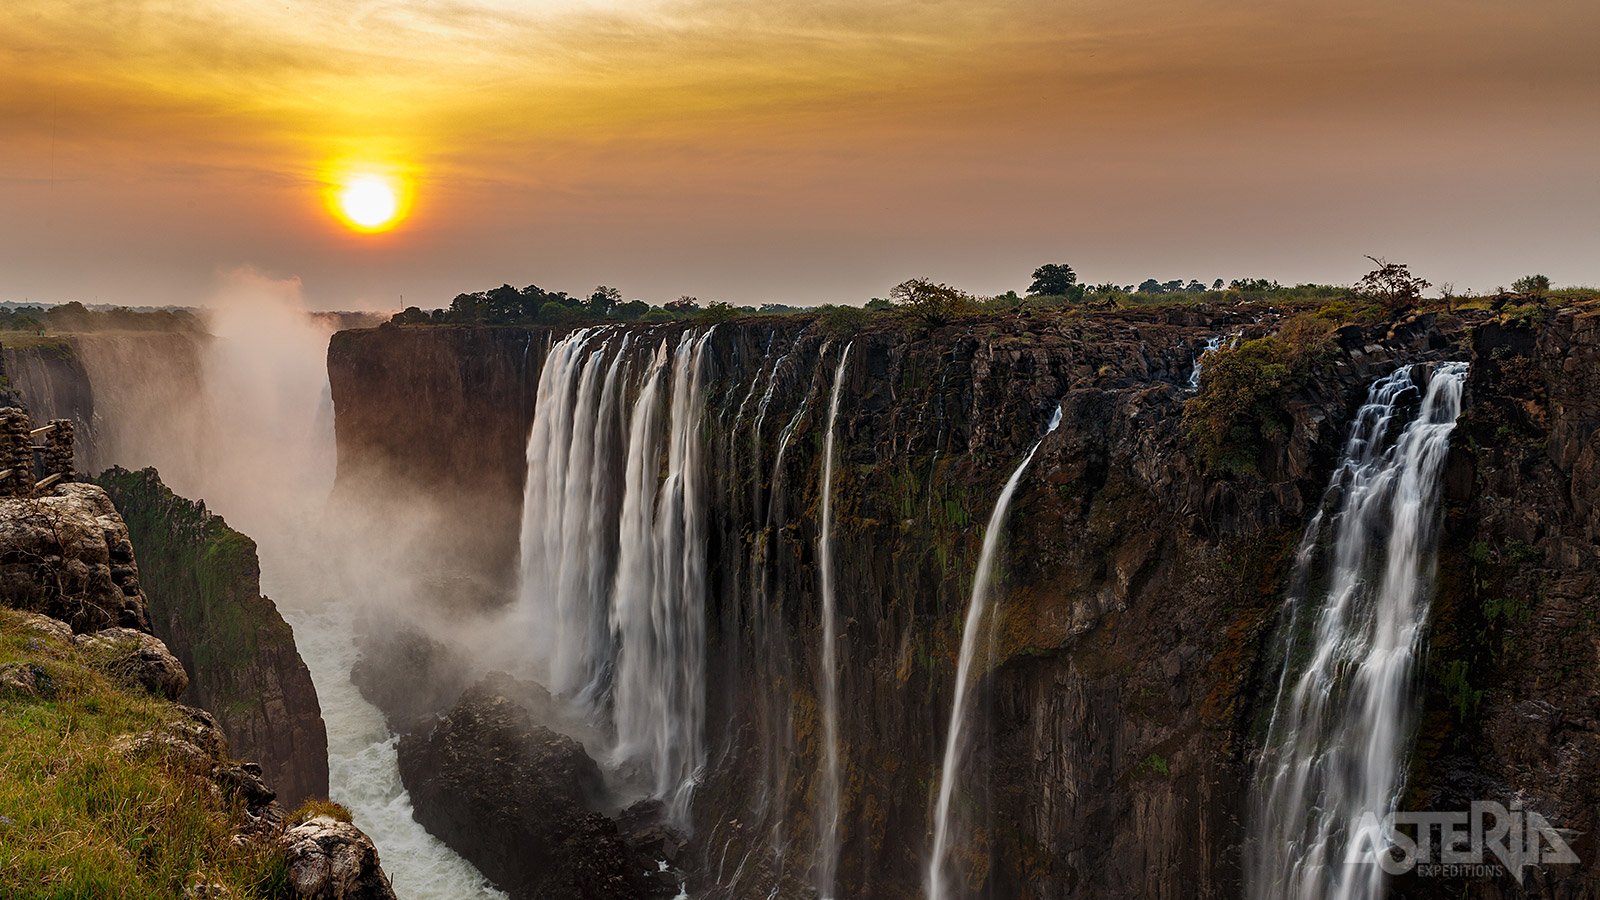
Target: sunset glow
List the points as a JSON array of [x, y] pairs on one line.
[[369, 204], [801, 153]]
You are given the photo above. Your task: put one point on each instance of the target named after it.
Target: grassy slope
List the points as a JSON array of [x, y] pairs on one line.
[[78, 819]]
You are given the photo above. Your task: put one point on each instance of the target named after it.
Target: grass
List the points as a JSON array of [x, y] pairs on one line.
[[79, 819]]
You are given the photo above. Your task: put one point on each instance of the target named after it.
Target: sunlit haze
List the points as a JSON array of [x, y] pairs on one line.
[[802, 153]]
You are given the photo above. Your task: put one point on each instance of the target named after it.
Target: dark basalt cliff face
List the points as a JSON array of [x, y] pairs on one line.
[[205, 602], [1126, 679]]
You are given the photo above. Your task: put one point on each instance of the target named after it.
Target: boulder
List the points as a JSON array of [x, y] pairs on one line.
[[515, 798], [333, 860], [66, 554], [138, 659]]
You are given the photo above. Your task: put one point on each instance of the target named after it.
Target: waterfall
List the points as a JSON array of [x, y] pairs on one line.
[[828, 815], [1212, 344], [659, 608], [613, 573], [569, 523], [1336, 745], [969, 643]]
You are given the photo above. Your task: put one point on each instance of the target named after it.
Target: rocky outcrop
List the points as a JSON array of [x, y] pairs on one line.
[[333, 860], [407, 675], [515, 799], [203, 583], [139, 659], [66, 553], [1127, 678]]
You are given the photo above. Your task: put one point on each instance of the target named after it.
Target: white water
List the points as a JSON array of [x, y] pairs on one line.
[[828, 813], [364, 772], [613, 575], [1212, 344], [244, 421], [969, 643], [1337, 743]]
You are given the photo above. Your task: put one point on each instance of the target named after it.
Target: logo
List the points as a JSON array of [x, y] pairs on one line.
[[1488, 841]]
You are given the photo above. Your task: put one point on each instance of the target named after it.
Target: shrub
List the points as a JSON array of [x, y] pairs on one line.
[[935, 304], [1238, 404], [1531, 284], [842, 320], [312, 808], [1309, 337]]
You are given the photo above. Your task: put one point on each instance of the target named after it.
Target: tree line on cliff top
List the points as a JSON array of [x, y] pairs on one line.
[[1391, 287]]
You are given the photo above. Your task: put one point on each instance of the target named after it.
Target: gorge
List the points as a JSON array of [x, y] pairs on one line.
[[903, 611]]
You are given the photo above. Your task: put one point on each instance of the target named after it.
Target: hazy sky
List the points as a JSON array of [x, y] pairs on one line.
[[797, 152]]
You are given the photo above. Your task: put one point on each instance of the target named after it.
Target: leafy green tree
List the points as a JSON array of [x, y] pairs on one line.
[[1150, 286], [878, 304], [1216, 285], [1253, 285], [1055, 280], [657, 314], [555, 312], [1537, 285], [467, 309], [717, 311], [933, 303], [682, 306], [409, 316], [602, 300], [632, 311]]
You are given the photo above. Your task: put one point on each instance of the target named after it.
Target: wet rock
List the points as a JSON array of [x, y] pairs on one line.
[[514, 798], [408, 675], [333, 860]]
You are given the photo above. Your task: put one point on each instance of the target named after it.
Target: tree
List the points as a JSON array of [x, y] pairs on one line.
[[877, 304], [1055, 280], [1149, 286], [409, 316], [467, 308], [717, 311], [935, 304], [1531, 284], [682, 305], [507, 304], [632, 311], [1193, 287], [602, 301], [1392, 284], [1216, 285]]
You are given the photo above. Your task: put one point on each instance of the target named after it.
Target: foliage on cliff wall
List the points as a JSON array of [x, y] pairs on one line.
[[82, 815], [201, 576]]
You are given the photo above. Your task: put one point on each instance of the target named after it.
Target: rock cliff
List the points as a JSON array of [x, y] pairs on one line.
[[1126, 678], [203, 583]]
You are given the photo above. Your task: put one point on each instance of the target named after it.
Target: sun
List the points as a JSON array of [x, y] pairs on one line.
[[369, 203]]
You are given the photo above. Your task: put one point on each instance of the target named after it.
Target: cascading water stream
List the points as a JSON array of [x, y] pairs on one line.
[[1336, 746], [969, 643], [613, 566], [1212, 344], [828, 814]]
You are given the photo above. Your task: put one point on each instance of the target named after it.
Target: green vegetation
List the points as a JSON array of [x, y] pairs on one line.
[[75, 316], [1239, 406], [934, 304], [314, 807], [80, 817], [1056, 280], [1538, 285], [1157, 764], [199, 574]]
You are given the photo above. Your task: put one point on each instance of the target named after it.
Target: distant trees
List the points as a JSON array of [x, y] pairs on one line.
[[1392, 284], [1537, 285], [876, 304], [933, 303], [1253, 285], [602, 300], [684, 304], [1056, 280], [1216, 285]]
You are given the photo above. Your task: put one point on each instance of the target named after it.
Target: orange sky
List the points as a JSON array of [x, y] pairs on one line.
[[791, 152]]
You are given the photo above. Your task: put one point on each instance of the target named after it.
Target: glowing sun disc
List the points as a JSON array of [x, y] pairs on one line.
[[369, 203]]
